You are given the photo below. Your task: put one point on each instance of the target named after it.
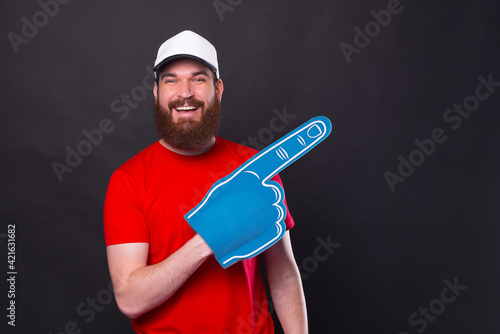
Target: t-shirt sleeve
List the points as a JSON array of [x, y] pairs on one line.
[[289, 223], [124, 220]]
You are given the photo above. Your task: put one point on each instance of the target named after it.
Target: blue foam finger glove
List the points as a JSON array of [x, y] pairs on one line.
[[243, 213]]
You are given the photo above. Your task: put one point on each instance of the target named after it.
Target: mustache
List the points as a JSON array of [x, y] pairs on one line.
[[192, 102]]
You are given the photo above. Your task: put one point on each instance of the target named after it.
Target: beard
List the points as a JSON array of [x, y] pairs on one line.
[[187, 134]]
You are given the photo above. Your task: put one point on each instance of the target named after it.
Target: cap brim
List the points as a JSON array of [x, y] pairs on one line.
[[171, 58]]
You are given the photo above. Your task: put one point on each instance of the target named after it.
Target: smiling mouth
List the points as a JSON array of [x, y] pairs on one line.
[[186, 111], [186, 108]]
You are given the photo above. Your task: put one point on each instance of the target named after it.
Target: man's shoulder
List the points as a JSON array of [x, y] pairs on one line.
[[137, 161]]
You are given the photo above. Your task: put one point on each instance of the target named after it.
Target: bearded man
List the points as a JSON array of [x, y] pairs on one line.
[[164, 275]]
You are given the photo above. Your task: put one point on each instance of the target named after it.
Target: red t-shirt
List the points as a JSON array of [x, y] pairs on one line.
[[146, 201]]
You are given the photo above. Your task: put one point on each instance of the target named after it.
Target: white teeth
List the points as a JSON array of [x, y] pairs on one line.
[[186, 108]]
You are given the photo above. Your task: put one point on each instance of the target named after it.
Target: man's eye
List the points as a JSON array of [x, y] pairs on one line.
[[199, 80], [168, 80]]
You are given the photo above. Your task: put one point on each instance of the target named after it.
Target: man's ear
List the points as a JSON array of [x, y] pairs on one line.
[[155, 91], [219, 89]]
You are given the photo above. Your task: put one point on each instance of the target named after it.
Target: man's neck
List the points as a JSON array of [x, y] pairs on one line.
[[201, 150]]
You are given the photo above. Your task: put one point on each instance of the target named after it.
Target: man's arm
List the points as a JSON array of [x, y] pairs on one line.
[[139, 288], [286, 286]]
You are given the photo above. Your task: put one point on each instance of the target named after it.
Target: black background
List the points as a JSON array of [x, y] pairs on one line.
[[396, 247]]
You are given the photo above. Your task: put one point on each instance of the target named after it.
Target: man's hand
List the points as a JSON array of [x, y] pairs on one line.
[[242, 214]]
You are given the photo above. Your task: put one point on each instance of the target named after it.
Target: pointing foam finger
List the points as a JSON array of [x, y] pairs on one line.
[[288, 149]]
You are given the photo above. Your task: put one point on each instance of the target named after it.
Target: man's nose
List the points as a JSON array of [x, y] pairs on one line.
[[184, 90]]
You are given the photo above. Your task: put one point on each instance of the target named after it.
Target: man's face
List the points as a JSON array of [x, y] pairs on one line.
[[187, 104]]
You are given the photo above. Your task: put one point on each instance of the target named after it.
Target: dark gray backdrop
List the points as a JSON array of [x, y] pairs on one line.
[[403, 257]]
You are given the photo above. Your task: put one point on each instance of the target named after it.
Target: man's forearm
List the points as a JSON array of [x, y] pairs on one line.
[[286, 287], [289, 303], [150, 286]]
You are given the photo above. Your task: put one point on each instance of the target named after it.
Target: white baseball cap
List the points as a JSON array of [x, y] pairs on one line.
[[191, 45]]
